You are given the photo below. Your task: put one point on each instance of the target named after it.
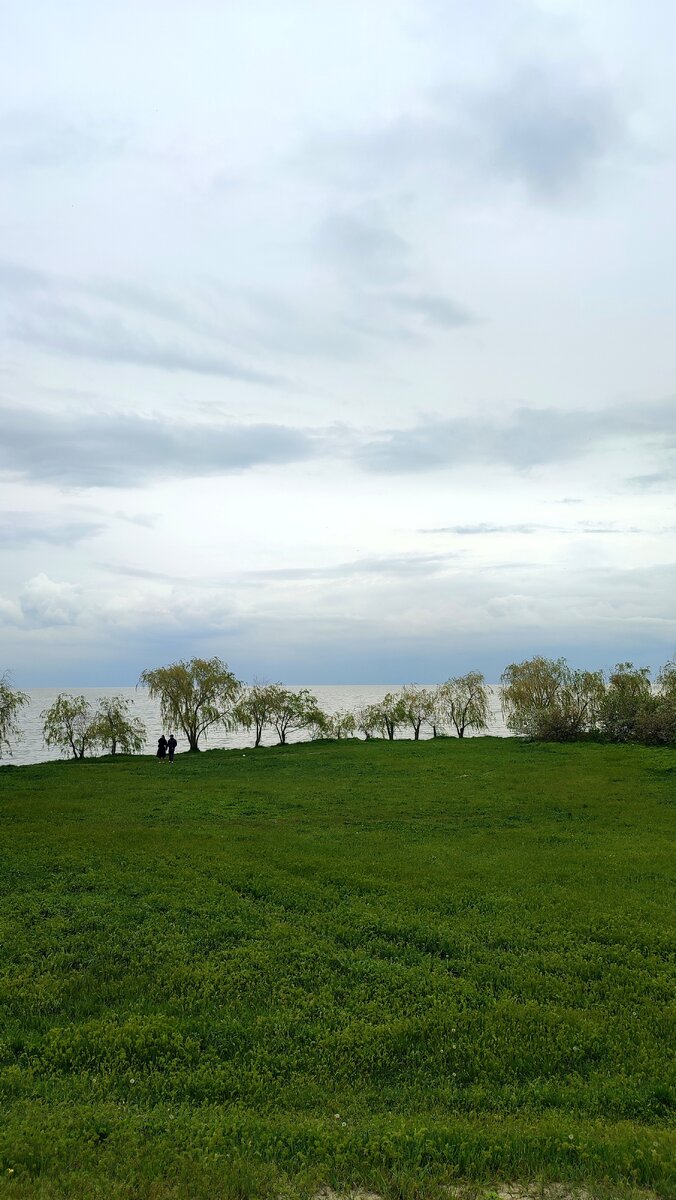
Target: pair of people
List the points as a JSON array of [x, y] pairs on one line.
[[166, 748]]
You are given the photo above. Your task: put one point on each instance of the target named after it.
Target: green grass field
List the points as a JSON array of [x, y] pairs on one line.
[[388, 965]]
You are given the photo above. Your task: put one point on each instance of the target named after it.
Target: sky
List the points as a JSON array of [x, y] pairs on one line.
[[336, 339]]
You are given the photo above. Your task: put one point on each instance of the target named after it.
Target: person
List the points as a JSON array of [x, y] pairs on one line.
[[162, 748], [171, 747]]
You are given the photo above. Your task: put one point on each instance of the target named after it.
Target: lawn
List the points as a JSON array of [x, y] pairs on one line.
[[395, 965]]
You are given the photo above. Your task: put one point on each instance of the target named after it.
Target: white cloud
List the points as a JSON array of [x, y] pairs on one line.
[[47, 602]]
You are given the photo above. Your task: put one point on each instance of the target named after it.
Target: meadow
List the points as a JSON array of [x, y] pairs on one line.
[[400, 966]]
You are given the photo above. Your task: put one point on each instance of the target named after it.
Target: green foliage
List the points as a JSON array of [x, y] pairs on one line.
[[69, 724], [546, 700], [416, 707], [628, 694], [382, 719], [194, 696], [11, 703], [387, 965], [291, 712], [254, 709], [341, 724], [368, 720], [463, 702], [666, 681], [115, 730]]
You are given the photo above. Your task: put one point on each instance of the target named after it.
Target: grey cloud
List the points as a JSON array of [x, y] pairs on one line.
[[64, 329], [389, 566], [41, 140], [116, 450], [107, 450], [484, 527], [128, 572], [41, 312], [354, 240], [21, 528], [145, 520], [548, 127], [435, 310], [529, 438], [658, 481]]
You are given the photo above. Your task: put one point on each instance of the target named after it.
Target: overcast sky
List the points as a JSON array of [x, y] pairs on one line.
[[338, 336]]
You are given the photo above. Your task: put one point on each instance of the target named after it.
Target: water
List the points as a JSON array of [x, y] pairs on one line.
[[332, 698]]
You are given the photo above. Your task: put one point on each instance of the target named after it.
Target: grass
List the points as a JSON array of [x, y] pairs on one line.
[[393, 966]]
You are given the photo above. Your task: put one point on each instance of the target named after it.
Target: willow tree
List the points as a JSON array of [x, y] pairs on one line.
[[291, 712], [11, 703], [548, 701], [463, 703], [254, 709], [194, 696], [416, 707], [69, 724], [116, 729]]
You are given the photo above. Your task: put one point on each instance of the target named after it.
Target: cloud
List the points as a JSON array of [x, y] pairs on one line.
[[355, 241], [33, 140], [657, 481], [83, 319], [120, 450], [22, 528], [394, 566], [433, 309], [125, 450], [485, 527], [548, 127], [67, 330], [528, 438], [45, 602]]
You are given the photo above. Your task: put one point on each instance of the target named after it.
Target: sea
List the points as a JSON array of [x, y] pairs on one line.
[[332, 698]]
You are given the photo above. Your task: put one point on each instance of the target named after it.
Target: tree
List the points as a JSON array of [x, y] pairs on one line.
[[68, 724], [11, 703], [627, 698], [666, 680], [383, 718], [194, 696], [463, 702], [369, 721], [391, 714], [293, 711], [656, 722], [113, 728], [254, 709], [415, 707], [341, 725], [546, 700]]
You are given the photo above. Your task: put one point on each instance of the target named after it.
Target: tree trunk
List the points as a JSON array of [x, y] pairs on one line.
[[416, 732]]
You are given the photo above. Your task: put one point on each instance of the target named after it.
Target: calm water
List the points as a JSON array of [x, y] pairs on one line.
[[331, 698]]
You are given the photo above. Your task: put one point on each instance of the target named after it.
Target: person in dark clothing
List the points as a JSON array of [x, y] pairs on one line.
[[171, 746], [162, 748]]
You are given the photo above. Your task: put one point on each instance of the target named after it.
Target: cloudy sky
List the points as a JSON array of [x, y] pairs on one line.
[[338, 336]]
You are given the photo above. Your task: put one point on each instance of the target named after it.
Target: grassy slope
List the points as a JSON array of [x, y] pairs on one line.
[[340, 962]]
